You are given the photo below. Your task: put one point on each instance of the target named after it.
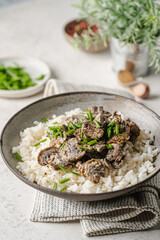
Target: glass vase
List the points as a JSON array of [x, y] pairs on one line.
[[132, 57]]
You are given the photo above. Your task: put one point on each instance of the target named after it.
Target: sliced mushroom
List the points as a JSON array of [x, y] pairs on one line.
[[46, 155]]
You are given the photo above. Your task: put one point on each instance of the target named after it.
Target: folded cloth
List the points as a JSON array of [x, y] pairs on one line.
[[135, 211]]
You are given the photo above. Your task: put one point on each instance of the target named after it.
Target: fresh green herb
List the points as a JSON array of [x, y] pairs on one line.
[[111, 124], [37, 144], [79, 124], [64, 170], [41, 77], [72, 125], [82, 147], [121, 134], [56, 134], [109, 146], [64, 180], [44, 119], [116, 130], [68, 127], [63, 189], [62, 145], [135, 149], [86, 110], [97, 123], [55, 122], [89, 116], [61, 134], [48, 134], [84, 116], [109, 132], [71, 131], [14, 78], [54, 128], [70, 171], [55, 186], [95, 149], [18, 156], [92, 142]]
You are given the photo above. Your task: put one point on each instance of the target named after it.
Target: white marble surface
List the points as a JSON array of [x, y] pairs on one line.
[[34, 28]]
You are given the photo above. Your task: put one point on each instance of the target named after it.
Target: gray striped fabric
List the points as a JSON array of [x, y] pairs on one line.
[[137, 211]]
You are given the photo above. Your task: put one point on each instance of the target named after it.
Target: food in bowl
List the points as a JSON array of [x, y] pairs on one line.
[[91, 151]]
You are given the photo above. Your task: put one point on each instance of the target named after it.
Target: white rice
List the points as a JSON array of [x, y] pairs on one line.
[[137, 165]]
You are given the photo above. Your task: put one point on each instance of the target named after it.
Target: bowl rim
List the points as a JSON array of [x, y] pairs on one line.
[[65, 194]]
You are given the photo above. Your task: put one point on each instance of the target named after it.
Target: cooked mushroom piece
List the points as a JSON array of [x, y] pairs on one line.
[[134, 130], [116, 153], [91, 130], [120, 139], [69, 154], [75, 119], [46, 155], [93, 169]]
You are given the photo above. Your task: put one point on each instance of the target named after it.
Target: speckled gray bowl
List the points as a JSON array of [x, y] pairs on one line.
[[58, 104]]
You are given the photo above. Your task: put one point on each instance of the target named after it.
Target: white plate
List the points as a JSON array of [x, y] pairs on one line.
[[35, 68]]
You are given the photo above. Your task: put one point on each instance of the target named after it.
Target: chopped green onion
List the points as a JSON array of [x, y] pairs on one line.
[[63, 189], [84, 117], [44, 119], [37, 144], [90, 117], [54, 128], [70, 171], [64, 180], [61, 134], [64, 170], [135, 149], [111, 124], [56, 134], [109, 132], [97, 123], [71, 131], [41, 77], [109, 146], [48, 134], [95, 149], [83, 142], [92, 142], [68, 128], [79, 124], [86, 110], [72, 125], [120, 134], [55, 186], [82, 147], [18, 156], [116, 130], [55, 122], [62, 145]]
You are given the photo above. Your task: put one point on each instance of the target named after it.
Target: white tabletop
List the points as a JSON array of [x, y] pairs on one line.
[[34, 28]]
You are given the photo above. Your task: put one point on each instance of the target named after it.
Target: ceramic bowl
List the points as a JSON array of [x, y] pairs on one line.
[[61, 103], [91, 49], [35, 68]]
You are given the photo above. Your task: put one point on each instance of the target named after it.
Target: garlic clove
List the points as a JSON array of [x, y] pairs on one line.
[[140, 90]]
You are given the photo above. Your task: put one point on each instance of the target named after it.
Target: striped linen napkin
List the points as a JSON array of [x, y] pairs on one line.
[[138, 210]]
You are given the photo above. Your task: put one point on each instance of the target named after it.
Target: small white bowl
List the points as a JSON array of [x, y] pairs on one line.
[[35, 68]]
